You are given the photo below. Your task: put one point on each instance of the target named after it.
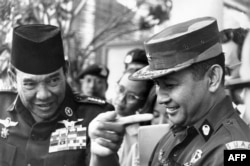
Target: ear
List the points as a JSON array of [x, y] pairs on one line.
[[214, 74]]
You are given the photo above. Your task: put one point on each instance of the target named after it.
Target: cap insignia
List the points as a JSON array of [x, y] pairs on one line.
[[104, 72], [128, 59]]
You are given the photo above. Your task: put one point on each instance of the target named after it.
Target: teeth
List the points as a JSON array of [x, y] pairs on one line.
[[171, 109], [43, 105]]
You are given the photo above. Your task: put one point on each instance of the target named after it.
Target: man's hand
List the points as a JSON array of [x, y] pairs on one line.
[[106, 131]]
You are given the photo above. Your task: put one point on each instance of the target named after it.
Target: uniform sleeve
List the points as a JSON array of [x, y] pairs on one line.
[[214, 157]]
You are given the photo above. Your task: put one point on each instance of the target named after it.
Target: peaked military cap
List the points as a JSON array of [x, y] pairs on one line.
[[179, 46], [95, 69], [136, 55], [37, 49]]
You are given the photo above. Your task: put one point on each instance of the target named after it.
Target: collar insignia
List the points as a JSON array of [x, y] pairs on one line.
[[206, 130], [6, 123], [68, 111]]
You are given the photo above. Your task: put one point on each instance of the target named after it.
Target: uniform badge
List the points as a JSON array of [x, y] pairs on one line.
[[206, 130], [69, 124], [68, 111], [72, 137], [195, 157], [161, 157], [6, 123]]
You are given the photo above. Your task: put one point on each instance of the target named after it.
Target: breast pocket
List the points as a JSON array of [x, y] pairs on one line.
[[66, 158], [67, 147], [7, 154]]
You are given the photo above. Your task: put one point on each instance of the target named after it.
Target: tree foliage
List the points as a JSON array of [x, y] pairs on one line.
[[64, 14]]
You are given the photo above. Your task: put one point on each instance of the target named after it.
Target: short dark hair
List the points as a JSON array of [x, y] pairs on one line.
[[199, 69]]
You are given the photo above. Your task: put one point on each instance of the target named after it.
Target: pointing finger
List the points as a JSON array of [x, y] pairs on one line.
[[107, 116], [134, 119]]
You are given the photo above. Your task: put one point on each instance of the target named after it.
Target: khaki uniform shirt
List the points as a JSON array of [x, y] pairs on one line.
[[61, 141], [204, 143]]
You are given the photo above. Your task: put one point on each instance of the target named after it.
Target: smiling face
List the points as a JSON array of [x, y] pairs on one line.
[[41, 94], [183, 96], [92, 85], [160, 115], [129, 95]]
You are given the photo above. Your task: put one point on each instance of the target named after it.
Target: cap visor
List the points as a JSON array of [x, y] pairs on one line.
[[237, 83], [146, 73]]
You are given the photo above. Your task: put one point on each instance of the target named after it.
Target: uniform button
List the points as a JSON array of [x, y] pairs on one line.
[[29, 164]]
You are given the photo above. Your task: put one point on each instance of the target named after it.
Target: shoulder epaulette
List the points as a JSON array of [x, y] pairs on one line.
[[88, 99]]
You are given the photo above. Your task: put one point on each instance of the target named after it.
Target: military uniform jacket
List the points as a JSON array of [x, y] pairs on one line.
[[62, 141], [204, 143]]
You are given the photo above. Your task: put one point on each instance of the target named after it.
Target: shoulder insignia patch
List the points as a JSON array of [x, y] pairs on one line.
[[238, 145], [88, 99]]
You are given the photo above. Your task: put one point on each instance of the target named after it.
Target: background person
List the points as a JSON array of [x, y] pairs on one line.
[[130, 96], [243, 81], [232, 41], [135, 59], [5, 84], [154, 107], [94, 80], [129, 99], [44, 124]]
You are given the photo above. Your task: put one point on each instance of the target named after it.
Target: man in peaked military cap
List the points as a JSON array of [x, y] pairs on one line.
[[45, 123], [187, 64], [94, 80]]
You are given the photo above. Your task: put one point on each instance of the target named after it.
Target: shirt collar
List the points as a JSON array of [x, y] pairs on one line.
[[213, 120], [207, 125]]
